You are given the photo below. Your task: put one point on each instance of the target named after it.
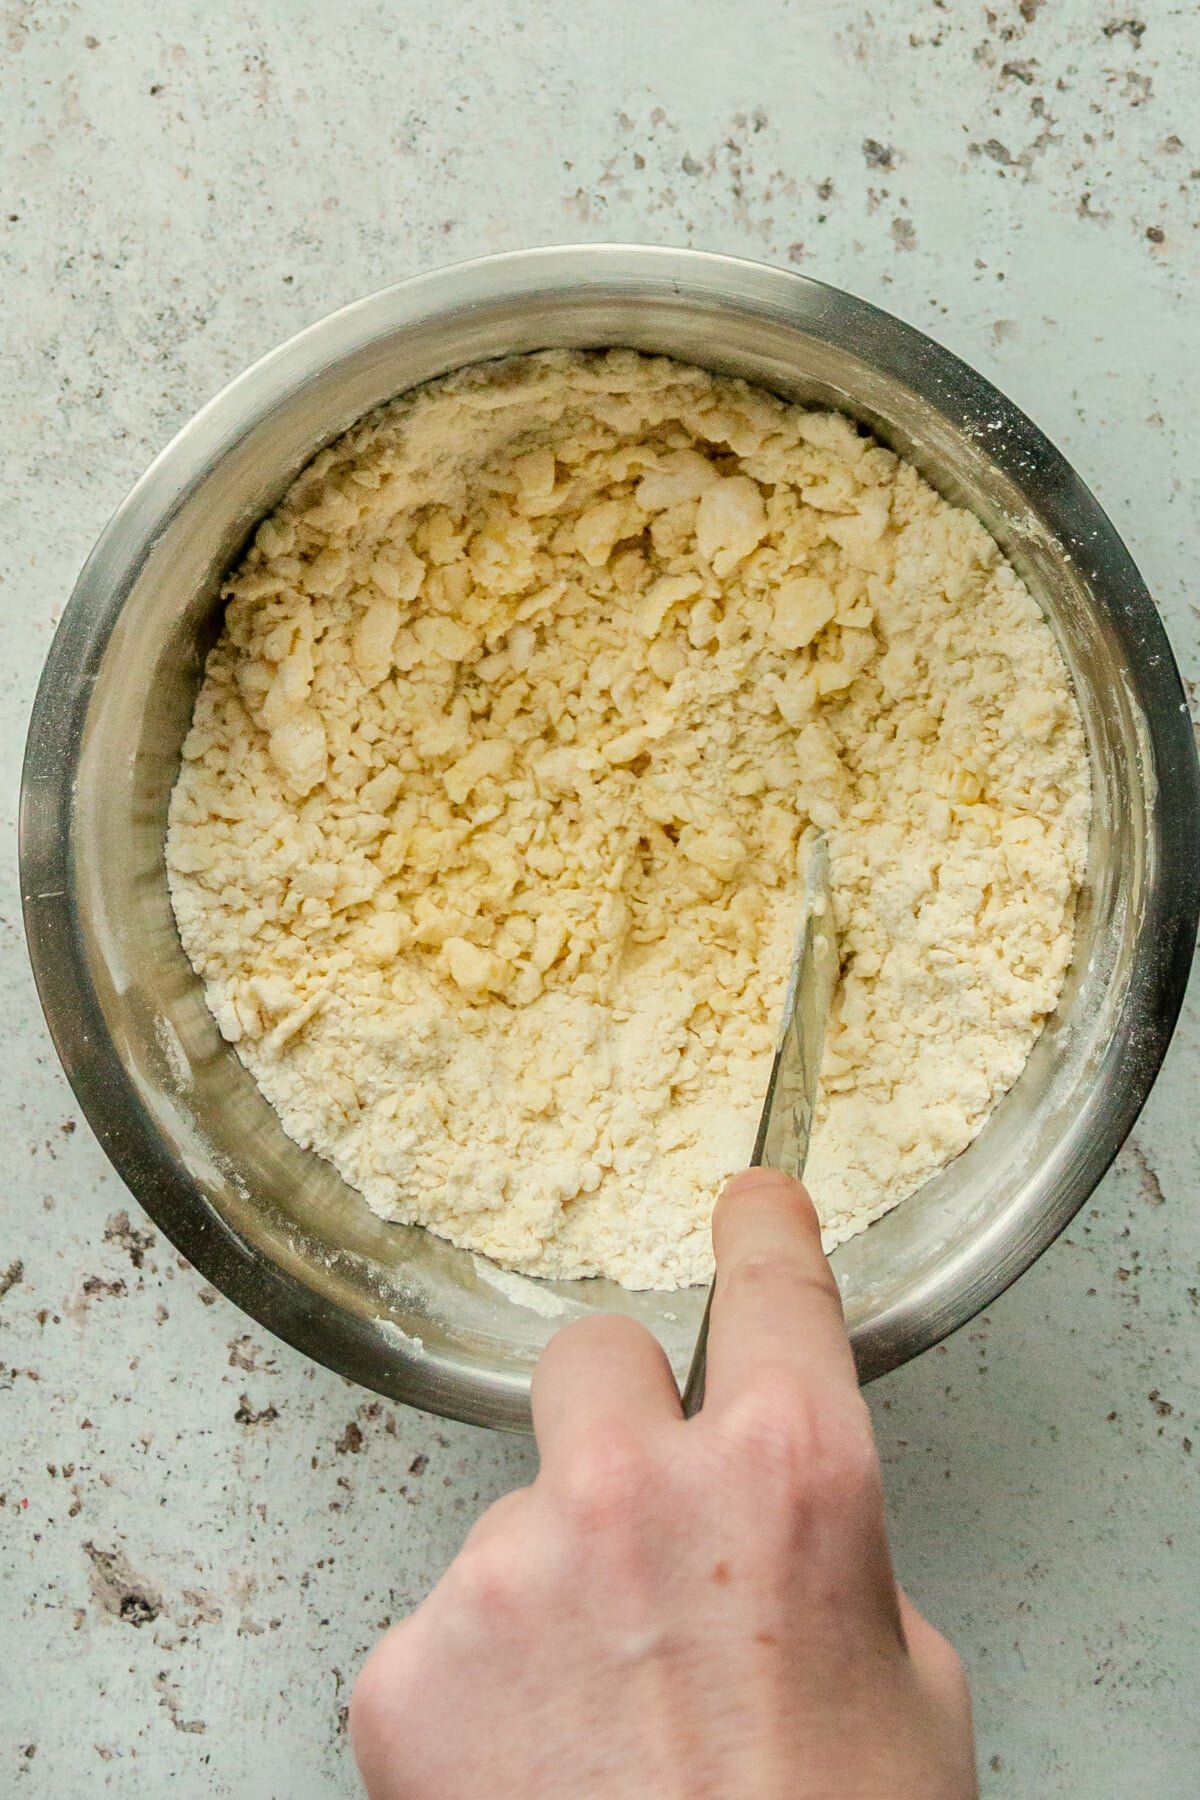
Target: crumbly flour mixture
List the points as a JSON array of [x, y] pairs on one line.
[[485, 839]]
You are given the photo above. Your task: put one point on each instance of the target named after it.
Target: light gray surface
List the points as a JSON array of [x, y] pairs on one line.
[[190, 187]]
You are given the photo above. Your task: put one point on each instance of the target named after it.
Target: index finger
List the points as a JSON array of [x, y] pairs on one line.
[[775, 1302]]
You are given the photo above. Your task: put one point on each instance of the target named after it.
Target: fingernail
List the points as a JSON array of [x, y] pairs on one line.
[[758, 1181]]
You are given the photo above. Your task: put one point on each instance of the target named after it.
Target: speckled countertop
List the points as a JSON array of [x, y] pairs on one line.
[[200, 1533]]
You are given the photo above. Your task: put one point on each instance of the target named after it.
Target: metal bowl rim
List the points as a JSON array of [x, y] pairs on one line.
[[275, 1298]]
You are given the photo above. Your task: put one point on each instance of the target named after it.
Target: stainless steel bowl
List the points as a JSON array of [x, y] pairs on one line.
[[275, 1228]]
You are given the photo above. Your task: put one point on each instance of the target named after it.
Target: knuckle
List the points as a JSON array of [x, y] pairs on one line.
[[381, 1691], [487, 1578], [604, 1486], [848, 1458], [773, 1280], [822, 1451], [590, 1338], [946, 1666], [766, 1427], [492, 1568], [502, 1519]]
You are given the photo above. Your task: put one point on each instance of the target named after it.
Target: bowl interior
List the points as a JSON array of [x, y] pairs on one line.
[[393, 1306]]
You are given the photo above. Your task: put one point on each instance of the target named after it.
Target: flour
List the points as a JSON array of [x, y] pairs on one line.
[[485, 838]]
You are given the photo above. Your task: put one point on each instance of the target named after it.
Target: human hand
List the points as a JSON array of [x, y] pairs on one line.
[[703, 1609]]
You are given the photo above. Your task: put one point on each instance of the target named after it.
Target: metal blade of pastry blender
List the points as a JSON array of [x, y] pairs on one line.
[[787, 1115]]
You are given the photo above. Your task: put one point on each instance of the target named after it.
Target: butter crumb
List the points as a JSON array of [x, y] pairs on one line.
[[485, 837]]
